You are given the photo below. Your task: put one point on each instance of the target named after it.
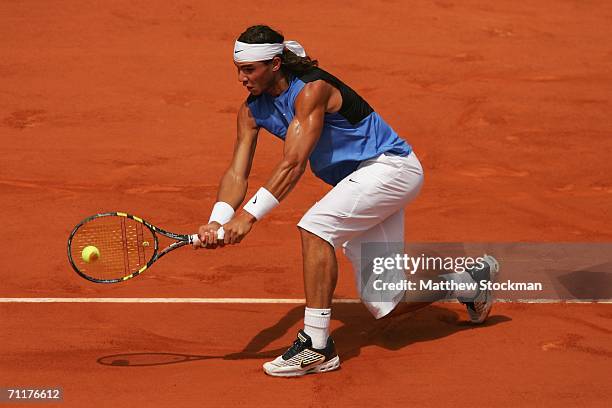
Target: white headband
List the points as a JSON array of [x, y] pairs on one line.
[[244, 52]]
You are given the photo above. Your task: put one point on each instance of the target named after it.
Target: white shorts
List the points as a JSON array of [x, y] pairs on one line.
[[367, 206]]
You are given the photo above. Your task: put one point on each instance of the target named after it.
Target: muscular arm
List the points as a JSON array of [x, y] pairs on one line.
[[234, 183], [302, 136]]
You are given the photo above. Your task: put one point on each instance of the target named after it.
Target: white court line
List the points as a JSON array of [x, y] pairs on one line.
[[247, 300], [165, 300]]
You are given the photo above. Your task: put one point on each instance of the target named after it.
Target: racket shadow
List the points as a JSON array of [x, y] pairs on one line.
[[150, 359], [146, 359]]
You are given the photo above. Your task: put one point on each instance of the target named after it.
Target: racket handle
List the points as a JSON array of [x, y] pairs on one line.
[[220, 234]]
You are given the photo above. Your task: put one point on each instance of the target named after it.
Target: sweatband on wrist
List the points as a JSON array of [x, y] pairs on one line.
[[222, 212], [261, 203]]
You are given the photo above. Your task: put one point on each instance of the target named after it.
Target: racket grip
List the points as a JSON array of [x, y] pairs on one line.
[[220, 234]]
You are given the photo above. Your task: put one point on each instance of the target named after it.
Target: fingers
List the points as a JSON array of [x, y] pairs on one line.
[[233, 236], [195, 241], [227, 236], [213, 235], [207, 237]]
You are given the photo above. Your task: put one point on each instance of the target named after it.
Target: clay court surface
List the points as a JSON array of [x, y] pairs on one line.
[[108, 106]]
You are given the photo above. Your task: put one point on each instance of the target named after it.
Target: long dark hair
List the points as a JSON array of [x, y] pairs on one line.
[[290, 62]]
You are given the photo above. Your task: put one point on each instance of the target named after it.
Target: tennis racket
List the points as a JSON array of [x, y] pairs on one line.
[[125, 246]]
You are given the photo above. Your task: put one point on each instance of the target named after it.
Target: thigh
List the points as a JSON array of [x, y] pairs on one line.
[[390, 231], [379, 188]]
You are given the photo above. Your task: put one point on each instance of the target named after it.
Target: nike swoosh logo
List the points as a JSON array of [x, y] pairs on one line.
[[236, 52], [353, 181], [313, 363], [255, 200], [324, 314]]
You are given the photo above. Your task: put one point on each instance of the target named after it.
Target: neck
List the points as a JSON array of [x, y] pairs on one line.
[[280, 85]]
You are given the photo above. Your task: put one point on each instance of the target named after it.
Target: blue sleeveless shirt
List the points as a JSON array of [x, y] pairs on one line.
[[353, 134]]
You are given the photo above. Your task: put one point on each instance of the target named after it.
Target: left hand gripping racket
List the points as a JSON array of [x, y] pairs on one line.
[[127, 245]]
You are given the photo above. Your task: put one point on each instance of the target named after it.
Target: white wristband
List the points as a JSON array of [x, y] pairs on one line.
[[261, 203], [222, 212]]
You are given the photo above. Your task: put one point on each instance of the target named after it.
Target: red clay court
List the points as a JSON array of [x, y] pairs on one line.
[[132, 107]]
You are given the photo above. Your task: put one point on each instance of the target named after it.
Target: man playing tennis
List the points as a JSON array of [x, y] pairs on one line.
[[374, 174]]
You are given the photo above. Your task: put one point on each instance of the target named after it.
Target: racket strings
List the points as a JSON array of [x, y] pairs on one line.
[[125, 246]]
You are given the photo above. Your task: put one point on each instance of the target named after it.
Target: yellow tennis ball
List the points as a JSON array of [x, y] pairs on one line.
[[90, 254]]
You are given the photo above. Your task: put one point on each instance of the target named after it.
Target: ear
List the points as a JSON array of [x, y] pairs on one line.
[[276, 63]]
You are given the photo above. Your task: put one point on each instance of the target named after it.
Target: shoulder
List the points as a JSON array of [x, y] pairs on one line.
[[244, 109], [250, 99], [245, 115], [252, 102], [255, 106], [316, 80], [314, 93]]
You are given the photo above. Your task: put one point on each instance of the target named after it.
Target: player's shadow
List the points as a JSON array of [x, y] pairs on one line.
[[359, 329]]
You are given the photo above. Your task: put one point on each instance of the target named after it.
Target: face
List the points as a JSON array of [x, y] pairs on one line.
[[259, 76]]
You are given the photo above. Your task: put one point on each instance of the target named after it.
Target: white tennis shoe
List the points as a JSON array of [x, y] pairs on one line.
[[301, 358], [480, 306]]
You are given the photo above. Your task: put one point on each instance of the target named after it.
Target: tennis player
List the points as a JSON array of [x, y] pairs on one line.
[[374, 174]]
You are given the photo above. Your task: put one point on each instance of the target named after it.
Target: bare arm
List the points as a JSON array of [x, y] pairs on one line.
[[234, 183], [302, 136]]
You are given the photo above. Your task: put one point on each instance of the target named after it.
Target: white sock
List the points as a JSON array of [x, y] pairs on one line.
[[461, 277], [316, 325]]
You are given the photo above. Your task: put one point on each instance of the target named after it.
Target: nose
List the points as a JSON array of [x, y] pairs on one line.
[[242, 78]]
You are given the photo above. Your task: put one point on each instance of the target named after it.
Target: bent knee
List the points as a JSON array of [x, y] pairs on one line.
[[312, 235]]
